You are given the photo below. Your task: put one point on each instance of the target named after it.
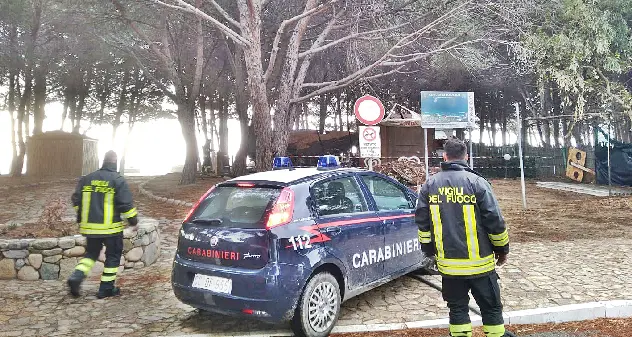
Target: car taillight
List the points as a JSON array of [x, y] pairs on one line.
[[198, 203], [245, 185], [283, 209]]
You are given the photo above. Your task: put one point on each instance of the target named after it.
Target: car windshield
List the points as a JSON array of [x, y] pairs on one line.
[[236, 207]]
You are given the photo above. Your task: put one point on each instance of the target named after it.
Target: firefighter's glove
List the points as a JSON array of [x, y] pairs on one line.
[[133, 221], [501, 258]]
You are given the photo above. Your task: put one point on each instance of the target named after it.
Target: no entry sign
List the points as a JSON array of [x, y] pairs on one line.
[[369, 110]]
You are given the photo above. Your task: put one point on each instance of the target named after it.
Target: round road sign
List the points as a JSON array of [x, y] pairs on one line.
[[369, 110], [369, 134]]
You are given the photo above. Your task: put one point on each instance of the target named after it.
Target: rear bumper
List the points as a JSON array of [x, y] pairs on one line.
[[269, 294]]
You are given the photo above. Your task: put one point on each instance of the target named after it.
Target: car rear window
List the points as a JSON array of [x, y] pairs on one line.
[[236, 207]]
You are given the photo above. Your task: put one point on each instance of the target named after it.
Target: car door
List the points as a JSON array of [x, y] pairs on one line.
[[353, 233], [396, 209]]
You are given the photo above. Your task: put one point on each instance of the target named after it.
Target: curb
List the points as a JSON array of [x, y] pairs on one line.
[[559, 314], [152, 196]]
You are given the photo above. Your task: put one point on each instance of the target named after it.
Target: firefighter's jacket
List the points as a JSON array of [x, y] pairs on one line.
[[102, 200], [460, 222]]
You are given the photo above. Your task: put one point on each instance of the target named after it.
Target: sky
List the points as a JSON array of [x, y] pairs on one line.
[[155, 147]]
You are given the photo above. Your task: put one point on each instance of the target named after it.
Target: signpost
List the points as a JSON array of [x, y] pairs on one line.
[[519, 132], [369, 111]]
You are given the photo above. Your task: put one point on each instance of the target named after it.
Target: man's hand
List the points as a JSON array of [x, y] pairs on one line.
[[133, 221], [501, 258]]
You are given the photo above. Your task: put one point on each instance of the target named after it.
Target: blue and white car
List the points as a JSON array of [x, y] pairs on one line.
[[292, 244]]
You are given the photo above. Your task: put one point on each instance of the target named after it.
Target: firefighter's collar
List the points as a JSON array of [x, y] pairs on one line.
[[109, 167]]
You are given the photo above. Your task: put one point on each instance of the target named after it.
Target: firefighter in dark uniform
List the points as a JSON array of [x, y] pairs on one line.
[[461, 225], [102, 200]]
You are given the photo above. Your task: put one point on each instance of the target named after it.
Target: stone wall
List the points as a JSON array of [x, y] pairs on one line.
[[55, 258], [152, 196]]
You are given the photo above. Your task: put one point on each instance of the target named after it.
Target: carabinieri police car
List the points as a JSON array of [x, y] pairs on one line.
[[292, 244]]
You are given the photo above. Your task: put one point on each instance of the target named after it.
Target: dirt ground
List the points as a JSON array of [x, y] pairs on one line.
[[598, 328], [167, 186], [558, 215], [551, 215]]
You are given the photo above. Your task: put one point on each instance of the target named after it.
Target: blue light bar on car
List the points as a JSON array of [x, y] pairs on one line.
[[327, 162], [280, 163]]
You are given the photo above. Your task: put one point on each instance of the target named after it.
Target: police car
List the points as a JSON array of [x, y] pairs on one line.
[[292, 244]]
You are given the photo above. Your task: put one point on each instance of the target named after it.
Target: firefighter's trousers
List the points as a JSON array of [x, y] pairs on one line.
[[113, 251], [486, 292]]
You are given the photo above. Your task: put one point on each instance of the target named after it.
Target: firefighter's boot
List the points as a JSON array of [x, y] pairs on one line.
[[107, 289], [74, 282]]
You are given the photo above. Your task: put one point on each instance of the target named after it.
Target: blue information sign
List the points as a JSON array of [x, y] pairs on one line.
[[447, 110]]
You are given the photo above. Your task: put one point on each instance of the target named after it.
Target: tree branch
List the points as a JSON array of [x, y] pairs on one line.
[[277, 37], [225, 14], [330, 86], [349, 37], [185, 7], [159, 84]]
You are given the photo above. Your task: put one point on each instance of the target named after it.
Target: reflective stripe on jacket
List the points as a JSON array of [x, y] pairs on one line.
[[460, 222], [102, 200]]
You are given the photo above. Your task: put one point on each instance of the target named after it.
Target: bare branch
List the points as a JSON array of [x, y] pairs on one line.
[[384, 60], [157, 82], [349, 37], [277, 38], [185, 7], [225, 14]]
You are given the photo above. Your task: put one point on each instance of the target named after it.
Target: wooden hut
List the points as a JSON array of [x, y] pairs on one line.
[[58, 154], [401, 135]]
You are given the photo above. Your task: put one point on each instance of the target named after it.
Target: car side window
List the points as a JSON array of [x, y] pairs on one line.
[[338, 196], [387, 195]]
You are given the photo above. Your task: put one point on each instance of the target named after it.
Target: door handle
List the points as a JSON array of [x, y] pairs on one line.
[[389, 222], [332, 230]]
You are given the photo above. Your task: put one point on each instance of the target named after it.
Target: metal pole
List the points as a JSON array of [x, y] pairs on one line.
[[519, 124], [426, 151], [609, 171], [471, 153]]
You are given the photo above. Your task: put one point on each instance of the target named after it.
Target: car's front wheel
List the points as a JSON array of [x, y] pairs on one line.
[[318, 308]]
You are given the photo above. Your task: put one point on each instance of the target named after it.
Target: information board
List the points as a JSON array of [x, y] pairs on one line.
[[447, 110]]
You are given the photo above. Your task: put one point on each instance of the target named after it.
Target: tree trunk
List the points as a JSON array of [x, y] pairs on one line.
[[223, 125], [18, 164], [104, 94], [125, 148], [13, 78], [241, 105], [339, 111], [322, 114], [64, 114], [291, 83], [504, 129], [250, 20], [122, 102], [40, 100], [187, 125], [85, 91]]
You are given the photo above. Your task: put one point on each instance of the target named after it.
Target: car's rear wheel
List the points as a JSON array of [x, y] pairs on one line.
[[318, 308]]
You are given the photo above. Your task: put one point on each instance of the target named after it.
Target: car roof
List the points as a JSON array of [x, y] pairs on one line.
[[287, 176]]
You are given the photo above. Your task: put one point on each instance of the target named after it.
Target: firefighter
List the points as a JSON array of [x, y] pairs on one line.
[[461, 225], [102, 200]]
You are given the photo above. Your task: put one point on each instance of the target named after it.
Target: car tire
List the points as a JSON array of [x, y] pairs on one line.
[[321, 298]]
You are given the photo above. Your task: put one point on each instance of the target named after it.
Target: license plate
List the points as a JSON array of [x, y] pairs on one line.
[[213, 283]]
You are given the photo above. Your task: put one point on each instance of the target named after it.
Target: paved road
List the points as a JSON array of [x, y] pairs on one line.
[[538, 275]]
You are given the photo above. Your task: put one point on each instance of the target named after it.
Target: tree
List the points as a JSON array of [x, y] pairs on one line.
[[399, 34]]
